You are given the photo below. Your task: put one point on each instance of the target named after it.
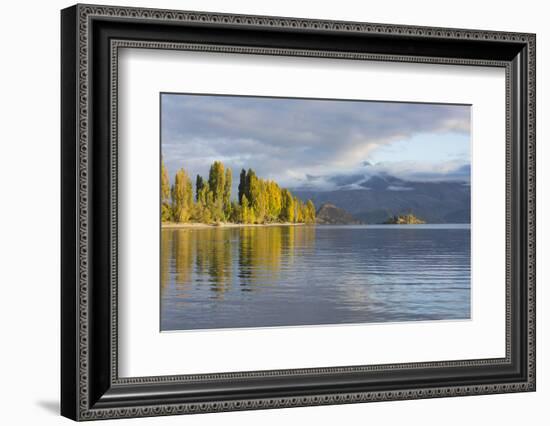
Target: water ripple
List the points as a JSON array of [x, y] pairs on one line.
[[280, 276]]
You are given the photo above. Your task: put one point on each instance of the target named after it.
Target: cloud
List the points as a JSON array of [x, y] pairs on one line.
[[399, 188], [392, 176], [296, 142], [452, 170]]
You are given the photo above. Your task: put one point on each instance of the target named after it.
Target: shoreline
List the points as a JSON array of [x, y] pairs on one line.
[[191, 225], [226, 225]]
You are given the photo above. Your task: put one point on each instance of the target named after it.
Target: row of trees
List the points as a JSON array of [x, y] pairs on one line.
[[259, 200]]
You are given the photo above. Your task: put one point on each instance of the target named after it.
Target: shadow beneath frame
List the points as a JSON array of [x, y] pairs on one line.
[[51, 407]]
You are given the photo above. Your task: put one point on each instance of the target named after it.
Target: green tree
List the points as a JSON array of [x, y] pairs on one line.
[[242, 186], [216, 183], [250, 176], [182, 197], [236, 212], [199, 184], [216, 180], [201, 211], [166, 211]]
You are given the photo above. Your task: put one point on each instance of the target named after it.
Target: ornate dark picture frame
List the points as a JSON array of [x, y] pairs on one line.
[[90, 385]]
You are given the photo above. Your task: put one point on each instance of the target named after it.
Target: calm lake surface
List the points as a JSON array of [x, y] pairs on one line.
[[306, 275]]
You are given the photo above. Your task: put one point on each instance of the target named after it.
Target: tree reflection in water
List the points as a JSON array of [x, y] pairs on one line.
[[248, 257]]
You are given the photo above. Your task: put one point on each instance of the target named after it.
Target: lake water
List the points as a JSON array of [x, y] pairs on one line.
[[309, 275]]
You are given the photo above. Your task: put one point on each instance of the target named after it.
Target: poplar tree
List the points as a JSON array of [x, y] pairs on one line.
[[250, 176], [310, 212], [236, 212], [258, 198], [199, 184], [260, 201], [298, 210], [216, 183], [182, 197], [165, 212], [227, 193], [216, 180], [274, 200], [242, 186], [202, 211], [246, 214], [287, 210]]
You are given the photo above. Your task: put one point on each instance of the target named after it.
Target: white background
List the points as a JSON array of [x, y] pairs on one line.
[[29, 217], [140, 343]]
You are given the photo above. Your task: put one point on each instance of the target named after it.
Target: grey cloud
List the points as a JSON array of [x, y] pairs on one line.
[[286, 139], [395, 176], [399, 188]]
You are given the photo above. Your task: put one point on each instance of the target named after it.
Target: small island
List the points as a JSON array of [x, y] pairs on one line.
[[407, 219], [260, 202]]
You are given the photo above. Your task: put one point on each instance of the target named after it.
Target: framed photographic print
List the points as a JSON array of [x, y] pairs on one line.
[[263, 212]]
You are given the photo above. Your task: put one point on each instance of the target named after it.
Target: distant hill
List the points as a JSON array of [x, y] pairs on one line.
[[330, 214], [382, 197]]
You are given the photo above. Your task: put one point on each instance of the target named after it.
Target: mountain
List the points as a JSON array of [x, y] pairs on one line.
[[330, 214], [381, 197]]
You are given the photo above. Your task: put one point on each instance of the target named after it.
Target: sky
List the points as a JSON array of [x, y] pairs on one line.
[[316, 144]]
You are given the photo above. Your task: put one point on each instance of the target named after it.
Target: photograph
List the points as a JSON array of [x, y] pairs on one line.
[[264, 208], [279, 211]]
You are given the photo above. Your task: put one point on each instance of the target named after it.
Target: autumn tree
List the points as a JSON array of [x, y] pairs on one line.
[[216, 179], [310, 212], [247, 214], [236, 211], [182, 197], [299, 210], [259, 200], [216, 183], [201, 211], [199, 184], [227, 193], [287, 209], [165, 211], [274, 201]]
